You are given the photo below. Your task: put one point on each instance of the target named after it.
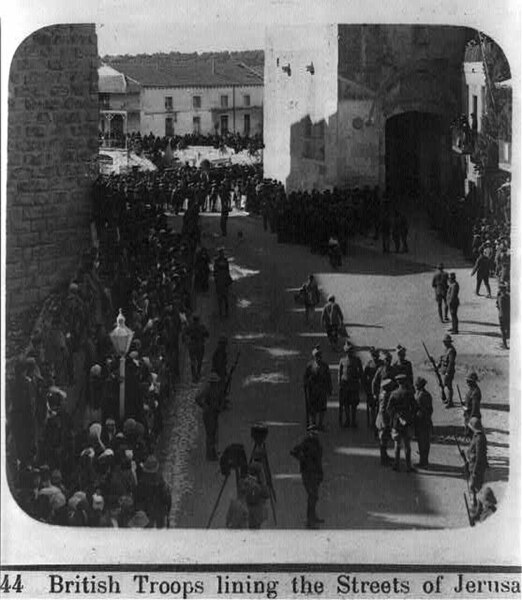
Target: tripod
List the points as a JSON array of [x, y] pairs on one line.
[[259, 449]]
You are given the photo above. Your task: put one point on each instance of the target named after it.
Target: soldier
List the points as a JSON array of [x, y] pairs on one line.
[[503, 307], [482, 268], [194, 337], [318, 386], [223, 280], [311, 297], [309, 453], [385, 371], [472, 399], [382, 422], [403, 365], [423, 423], [210, 400], [453, 302], [350, 379], [440, 285], [368, 374], [477, 458], [402, 410], [446, 367], [332, 320]]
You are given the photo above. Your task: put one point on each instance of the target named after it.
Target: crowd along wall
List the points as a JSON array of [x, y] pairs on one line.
[[52, 144]]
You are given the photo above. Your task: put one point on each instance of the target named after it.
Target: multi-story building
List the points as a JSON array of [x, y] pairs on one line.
[[178, 99]]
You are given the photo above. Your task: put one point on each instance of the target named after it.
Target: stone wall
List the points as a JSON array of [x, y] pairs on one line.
[[52, 140]]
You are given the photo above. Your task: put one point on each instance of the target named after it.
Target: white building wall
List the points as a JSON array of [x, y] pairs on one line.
[[289, 99], [475, 80], [153, 112]]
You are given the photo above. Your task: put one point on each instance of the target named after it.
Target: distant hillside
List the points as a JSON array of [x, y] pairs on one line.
[[253, 58]]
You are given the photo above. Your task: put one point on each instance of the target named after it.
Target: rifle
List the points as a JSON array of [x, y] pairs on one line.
[[228, 384], [470, 518], [460, 397], [436, 369]]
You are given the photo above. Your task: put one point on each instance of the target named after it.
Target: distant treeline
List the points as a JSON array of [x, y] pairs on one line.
[[253, 58]]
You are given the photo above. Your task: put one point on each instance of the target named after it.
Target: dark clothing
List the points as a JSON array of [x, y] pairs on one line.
[[195, 336], [350, 379], [472, 402], [478, 460], [453, 303], [504, 315], [210, 399], [440, 285], [403, 367], [309, 453], [153, 495], [423, 424], [318, 385], [401, 410], [223, 280], [219, 361], [482, 269]]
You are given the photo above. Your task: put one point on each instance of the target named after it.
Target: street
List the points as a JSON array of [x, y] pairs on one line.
[[386, 300]]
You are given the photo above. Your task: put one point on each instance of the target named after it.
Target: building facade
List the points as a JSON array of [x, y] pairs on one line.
[[356, 105], [51, 149], [178, 100]]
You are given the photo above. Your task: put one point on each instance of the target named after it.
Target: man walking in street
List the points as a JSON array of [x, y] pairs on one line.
[[423, 423], [223, 280], [482, 268], [402, 410], [453, 302], [350, 380], [504, 310], [440, 285], [309, 453], [318, 387], [332, 320], [446, 367], [210, 400], [194, 336]]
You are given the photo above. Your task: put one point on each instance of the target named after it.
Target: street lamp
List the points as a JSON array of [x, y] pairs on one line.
[[121, 338]]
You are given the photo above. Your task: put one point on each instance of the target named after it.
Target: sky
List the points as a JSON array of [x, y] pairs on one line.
[[134, 38]]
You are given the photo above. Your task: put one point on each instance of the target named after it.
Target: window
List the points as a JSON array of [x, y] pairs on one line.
[[196, 101], [169, 127], [246, 125], [246, 100], [224, 101], [313, 139], [168, 102], [224, 124], [196, 125]]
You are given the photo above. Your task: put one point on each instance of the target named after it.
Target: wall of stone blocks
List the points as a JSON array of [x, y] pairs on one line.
[[52, 141]]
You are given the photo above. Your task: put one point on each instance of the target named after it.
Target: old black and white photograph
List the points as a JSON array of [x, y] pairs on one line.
[[258, 275]]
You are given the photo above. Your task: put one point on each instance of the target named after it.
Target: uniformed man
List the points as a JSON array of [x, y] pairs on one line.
[[210, 399], [472, 399], [453, 302], [423, 423], [385, 371], [350, 380], [368, 374], [482, 268], [309, 453], [477, 457], [382, 422], [504, 309], [440, 285], [194, 336], [332, 320], [402, 410], [447, 368], [318, 387], [403, 366], [223, 280]]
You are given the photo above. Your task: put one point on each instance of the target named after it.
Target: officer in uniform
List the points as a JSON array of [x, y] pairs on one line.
[[440, 285], [223, 280], [423, 423], [194, 336], [318, 386], [309, 453], [350, 379], [447, 368], [385, 371], [368, 374], [210, 400], [453, 302], [382, 422], [504, 309], [472, 399], [332, 320], [477, 457], [403, 366], [402, 410]]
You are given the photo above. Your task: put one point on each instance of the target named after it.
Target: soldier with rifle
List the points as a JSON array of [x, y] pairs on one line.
[[423, 423], [437, 373], [447, 368], [472, 399]]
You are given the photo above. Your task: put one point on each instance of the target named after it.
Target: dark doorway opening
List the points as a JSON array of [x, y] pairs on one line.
[[414, 146]]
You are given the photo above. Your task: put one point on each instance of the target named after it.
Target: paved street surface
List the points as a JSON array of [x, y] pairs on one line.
[[386, 300]]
